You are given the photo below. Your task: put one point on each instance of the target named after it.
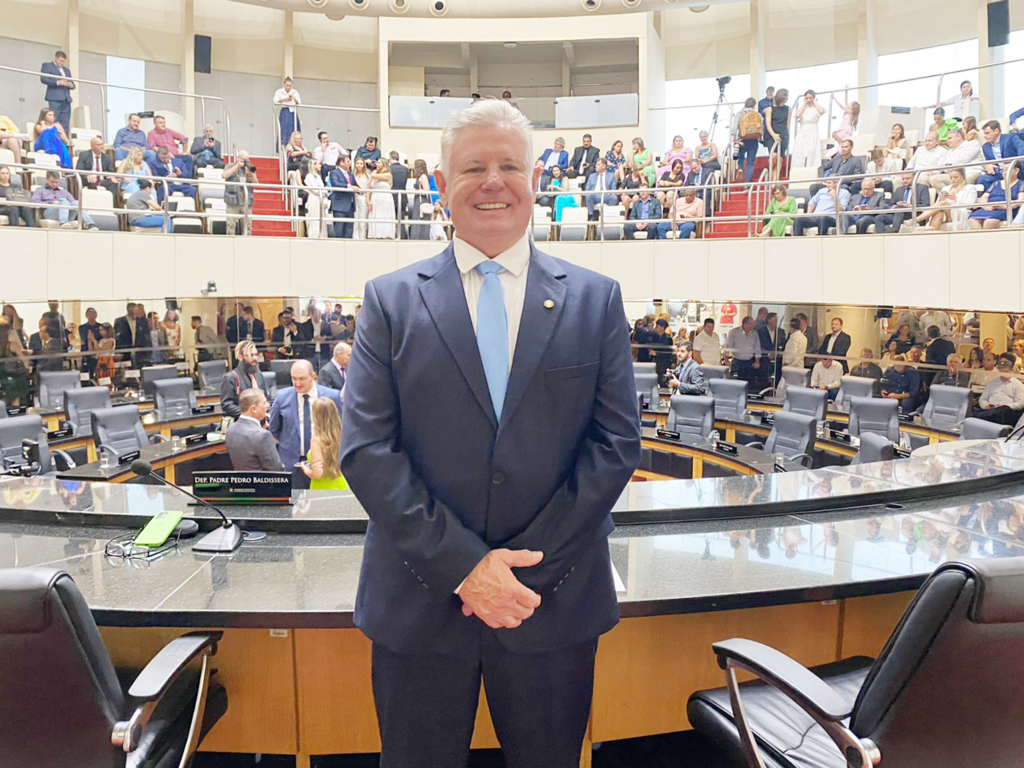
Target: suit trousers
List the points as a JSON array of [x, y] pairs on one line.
[[62, 114], [539, 703], [1001, 414], [343, 228], [821, 222]]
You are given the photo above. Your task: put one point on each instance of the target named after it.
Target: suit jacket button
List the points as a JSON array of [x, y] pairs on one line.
[[497, 478]]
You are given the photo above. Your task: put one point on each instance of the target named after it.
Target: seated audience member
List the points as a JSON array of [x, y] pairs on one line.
[[707, 349], [162, 136], [144, 211], [992, 212], [554, 156], [1003, 398], [96, 160], [697, 178], [250, 445], [602, 183], [938, 349], [642, 214], [245, 376], [687, 378], [955, 374], [63, 204], [134, 165], [687, 210], [980, 377], [670, 183], [12, 210], [864, 207], [941, 125], [826, 374], [548, 182], [208, 343], [902, 206], [334, 372], [297, 151], [896, 150], [165, 168], [842, 163], [961, 153], [929, 159], [779, 213], [902, 382], [206, 150], [996, 147], [796, 345], [633, 181], [707, 153], [745, 346], [975, 357], [130, 137], [676, 152], [10, 137], [876, 166], [826, 204], [48, 136], [370, 153], [615, 159], [584, 158], [327, 154], [867, 369], [957, 193]]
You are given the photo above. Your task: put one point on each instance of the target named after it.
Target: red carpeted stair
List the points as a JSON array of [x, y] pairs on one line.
[[270, 203], [735, 204]]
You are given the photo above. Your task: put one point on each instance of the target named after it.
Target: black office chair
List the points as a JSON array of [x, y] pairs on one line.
[[150, 375], [979, 429], [63, 705], [270, 380], [3, 410], [210, 373], [30, 427], [810, 402], [175, 398], [119, 430], [945, 690], [282, 370], [53, 384], [80, 403], [793, 435], [874, 448]]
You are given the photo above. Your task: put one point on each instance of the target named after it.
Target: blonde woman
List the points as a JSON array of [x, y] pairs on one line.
[[363, 179], [133, 165], [323, 463]]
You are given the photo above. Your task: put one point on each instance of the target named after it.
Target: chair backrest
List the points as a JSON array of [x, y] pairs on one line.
[[118, 429], [644, 368], [966, 610], [810, 402], [151, 374], [947, 406], [691, 416], [55, 670], [175, 398], [873, 414], [874, 448], [28, 427], [854, 386], [792, 434], [795, 376], [730, 398], [52, 385], [282, 369], [979, 429], [210, 373], [79, 403], [647, 385], [270, 381], [3, 410], [714, 371], [100, 198]]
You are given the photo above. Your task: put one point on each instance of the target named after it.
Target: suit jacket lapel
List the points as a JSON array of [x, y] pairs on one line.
[[445, 300], [543, 283]]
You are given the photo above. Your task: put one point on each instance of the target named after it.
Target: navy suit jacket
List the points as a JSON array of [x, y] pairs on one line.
[[563, 158], [1010, 144], [343, 202], [611, 197], [284, 421], [444, 482], [55, 92]]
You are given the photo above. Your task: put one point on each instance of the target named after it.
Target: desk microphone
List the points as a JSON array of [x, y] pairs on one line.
[[227, 538]]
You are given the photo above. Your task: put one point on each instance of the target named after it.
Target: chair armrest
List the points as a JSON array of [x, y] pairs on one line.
[[648, 422], [164, 668], [758, 444], [156, 437], [65, 459], [785, 674], [803, 458]]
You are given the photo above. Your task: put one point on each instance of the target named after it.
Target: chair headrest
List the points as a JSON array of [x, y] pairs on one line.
[[25, 604], [179, 386], [999, 597]]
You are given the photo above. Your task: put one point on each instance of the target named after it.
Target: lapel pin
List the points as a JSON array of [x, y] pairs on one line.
[[549, 304]]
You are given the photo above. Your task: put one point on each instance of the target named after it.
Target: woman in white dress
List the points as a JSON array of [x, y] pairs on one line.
[[806, 151], [382, 206], [362, 198], [957, 192], [316, 201]]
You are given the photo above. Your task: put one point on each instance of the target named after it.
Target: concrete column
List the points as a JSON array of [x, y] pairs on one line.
[[190, 109], [474, 72], [70, 45], [758, 33], [289, 45], [993, 326], [991, 86], [867, 51]]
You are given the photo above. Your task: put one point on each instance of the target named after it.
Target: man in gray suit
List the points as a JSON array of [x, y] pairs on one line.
[[250, 446], [865, 206], [334, 371]]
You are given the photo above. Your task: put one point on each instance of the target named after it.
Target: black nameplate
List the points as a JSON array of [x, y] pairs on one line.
[[768, 419], [57, 434], [668, 434], [17, 410], [905, 416], [841, 437], [727, 448], [899, 453], [202, 409], [127, 458], [755, 396], [271, 487], [191, 440]]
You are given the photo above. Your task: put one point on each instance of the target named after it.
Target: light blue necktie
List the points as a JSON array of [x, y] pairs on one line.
[[492, 333]]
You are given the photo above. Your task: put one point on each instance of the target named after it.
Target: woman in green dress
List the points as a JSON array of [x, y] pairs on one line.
[[643, 159], [778, 206], [322, 465]]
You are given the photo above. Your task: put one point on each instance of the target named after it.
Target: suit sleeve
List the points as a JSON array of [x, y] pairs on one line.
[[49, 82], [431, 539], [696, 385], [269, 457], [606, 458], [275, 418], [228, 398]]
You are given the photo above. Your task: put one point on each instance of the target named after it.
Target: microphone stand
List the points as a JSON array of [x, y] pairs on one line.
[[226, 538]]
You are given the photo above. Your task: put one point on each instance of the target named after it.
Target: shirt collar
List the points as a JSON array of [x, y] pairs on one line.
[[515, 259], [250, 418], [312, 394]]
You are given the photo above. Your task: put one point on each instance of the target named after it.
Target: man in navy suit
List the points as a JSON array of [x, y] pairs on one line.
[[554, 156], [343, 201], [997, 147], [481, 436], [56, 78], [290, 420], [602, 183]]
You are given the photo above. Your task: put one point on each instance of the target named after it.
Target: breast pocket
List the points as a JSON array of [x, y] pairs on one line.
[[572, 372]]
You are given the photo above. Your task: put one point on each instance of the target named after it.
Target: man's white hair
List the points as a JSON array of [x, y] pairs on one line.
[[489, 113]]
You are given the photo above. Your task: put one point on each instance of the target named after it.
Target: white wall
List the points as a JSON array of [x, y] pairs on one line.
[[920, 271]]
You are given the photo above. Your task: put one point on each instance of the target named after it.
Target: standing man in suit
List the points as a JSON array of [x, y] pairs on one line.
[[902, 206], [486, 553], [343, 201], [335, 371], [687, 378], [124, 328], [584, 159], [864, 208], [837, 343], [399, 178], [290, 419], [773, 341], [246, 375], [57, 79], [602, 182], [250, 446], [96, 160]]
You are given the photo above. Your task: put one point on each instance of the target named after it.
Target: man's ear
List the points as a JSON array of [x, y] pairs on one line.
[[442, 183], [537, 171]]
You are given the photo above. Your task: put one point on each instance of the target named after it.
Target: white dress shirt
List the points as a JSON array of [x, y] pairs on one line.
[[515, 263], [281, 97], [968, 152], [796, 347], [831, 341], [302, 421], [250, 418], [709, 348], [925, 159], [999, 392], [826, 378]]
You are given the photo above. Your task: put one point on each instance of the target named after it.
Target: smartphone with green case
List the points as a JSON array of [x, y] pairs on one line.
[[158, 529]]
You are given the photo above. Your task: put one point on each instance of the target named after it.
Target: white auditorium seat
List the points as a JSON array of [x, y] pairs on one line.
[[573, 225], [863, 143], [93, 199], [6, 156]]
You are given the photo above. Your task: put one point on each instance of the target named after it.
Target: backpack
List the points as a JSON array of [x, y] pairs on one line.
[[751, 126]]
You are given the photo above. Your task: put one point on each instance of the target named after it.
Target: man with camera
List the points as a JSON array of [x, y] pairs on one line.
[[239, 199]]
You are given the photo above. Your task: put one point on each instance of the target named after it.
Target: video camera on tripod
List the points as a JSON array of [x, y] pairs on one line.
[[26, 465]]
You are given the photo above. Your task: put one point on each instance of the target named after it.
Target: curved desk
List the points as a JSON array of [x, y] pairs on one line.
[[53, 416]]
